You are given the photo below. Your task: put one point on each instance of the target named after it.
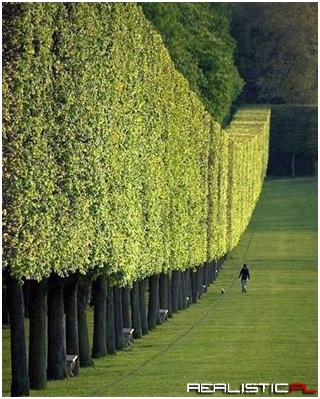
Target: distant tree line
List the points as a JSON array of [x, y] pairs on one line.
[[277, 51], [293, 140], [277, 55]]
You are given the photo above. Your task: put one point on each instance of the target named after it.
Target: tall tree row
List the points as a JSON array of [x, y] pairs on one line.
[[114, 176], [197, 36]]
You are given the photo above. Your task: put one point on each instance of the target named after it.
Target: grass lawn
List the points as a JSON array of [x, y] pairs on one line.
[[268, 335]]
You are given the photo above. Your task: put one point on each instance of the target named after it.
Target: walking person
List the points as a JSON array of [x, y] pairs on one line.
[[245, 275]]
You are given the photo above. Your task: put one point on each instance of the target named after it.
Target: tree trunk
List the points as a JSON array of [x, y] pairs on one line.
[[188, 287], [183, 290], [135, 310], [19, 370], [71, 309], [143, 308], [194, 290], [205, 277], [99, 293], [163, 291], [118, 318], [199, 277], [126, 307], [175, 288], [84, 290], [215, 270], [293, 165], [38, 334], [180, 302], [169, 296], [153, 306], [110, 337], [56, 369], [5, 314], [218, 267], [26, 296], [209, 273], [212, 271]]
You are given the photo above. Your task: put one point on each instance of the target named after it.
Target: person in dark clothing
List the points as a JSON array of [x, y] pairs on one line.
[[245, 275]]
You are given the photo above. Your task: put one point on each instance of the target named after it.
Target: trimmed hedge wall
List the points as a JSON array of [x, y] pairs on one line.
[[248, 141], [110, 163]]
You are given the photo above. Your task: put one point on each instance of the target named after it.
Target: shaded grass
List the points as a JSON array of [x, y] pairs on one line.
[[269, 335]]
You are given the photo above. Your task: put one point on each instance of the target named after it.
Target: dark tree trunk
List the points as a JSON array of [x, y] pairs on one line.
[[188, 288], [135, 310], [163, 291], [215, 270], [205, 278], [169, 297], [194, 290], [209, 272], [5, 314], [126, 307], [180, 305], [175, 288], [19, 369], [118, 318], [84, 290], [153, 306], [293, 165], [71, 309], [199, 278], [111, 337], [56, 369], [219, 263], [26, 296], [99, 293], [143, 308], [183, 290], [38, 334], [212, 271]]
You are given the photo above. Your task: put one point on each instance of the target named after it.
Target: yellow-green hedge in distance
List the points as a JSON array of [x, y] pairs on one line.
[[248, 143]]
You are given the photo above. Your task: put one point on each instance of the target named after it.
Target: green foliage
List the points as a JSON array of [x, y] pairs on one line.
[[29, 168], [106, 149], [248, 143], [294, 130], [237, 165], [197, 36], [277, 52]]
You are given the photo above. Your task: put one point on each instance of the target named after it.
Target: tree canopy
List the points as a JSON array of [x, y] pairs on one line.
[[277, 51], [107, 152], [294, 140], [197, 36]]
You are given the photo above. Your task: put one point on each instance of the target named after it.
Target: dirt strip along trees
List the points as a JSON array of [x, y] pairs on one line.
[[119, 188]]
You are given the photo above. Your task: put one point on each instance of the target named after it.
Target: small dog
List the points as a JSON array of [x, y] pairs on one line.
[[222, 291]]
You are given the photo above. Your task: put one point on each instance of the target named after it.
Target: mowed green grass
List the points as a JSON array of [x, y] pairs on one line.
[[267, 335]]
